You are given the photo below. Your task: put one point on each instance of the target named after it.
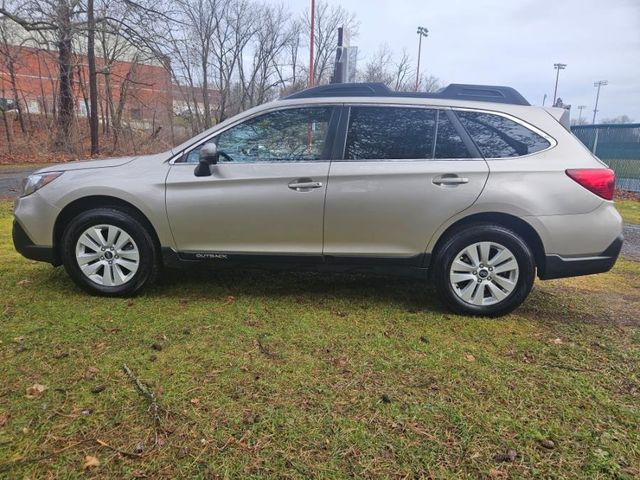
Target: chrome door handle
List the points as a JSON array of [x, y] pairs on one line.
[[453, 180], [304, 185]]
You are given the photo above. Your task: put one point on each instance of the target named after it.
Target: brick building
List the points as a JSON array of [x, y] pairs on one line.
[[138, 79], [146, 85]]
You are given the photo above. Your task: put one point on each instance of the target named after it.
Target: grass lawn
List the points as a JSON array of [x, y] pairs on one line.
[[630, 210], [263, 375]]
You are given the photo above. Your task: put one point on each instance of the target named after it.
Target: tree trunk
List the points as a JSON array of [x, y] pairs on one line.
[[7, 129], [65, 90], [93, 84], [14, 88]]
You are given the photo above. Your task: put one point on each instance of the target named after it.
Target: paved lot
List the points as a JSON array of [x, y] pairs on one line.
[[631, 245], [11, 179]]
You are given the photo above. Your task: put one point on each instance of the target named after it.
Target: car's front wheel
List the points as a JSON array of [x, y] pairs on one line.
[[484, 270], [107, 251]]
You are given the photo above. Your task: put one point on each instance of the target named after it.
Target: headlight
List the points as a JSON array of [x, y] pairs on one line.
[[38, 180]]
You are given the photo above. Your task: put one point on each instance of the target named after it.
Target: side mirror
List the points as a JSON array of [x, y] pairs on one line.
[[207, 156]]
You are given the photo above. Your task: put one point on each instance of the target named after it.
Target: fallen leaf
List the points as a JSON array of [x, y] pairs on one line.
[[556, 341], [469, 358], [229, 299], [183, 452], [250, 418], [550, 444], [510, 456], [4, 419], [91, 373], [26, 281], [91, 462], [35, 390], [194, 401], [98, 388], [340, 362]]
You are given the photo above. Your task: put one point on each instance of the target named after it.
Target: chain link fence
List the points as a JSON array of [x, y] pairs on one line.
[[618, 145]]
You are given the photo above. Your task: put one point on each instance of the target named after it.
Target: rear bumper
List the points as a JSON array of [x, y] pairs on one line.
[[25, 246], [556, 266]]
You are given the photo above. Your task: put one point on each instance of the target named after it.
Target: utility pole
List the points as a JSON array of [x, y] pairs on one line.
[[311, 42], [580, 108], [600, 83], [422, 32], [93, 83], [544, 99], [558, 67]]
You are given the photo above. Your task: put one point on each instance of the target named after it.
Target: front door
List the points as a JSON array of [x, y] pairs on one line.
[[266, 194]]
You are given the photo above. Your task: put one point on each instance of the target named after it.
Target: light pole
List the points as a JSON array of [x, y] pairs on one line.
[[311, 44], [580, 108], [558, 67], [600, 83], [422, 32]]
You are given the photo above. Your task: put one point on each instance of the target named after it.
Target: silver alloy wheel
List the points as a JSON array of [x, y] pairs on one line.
[[107, 255], [484, 273]]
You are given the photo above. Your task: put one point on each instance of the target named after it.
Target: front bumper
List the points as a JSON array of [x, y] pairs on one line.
[[25, 246], [556, 266]]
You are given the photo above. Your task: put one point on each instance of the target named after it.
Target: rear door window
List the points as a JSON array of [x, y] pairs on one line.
[[385, 133], [499, 137]]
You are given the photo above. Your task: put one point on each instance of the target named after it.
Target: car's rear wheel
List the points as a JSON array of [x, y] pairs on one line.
[[484, 270], [109, 252]]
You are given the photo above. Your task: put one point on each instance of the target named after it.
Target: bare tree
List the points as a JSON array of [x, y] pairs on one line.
[[264, 77], [377, 69], [430, 83], [397, 74], [328, 19], [402, 73], [58, 18], [10, 48]]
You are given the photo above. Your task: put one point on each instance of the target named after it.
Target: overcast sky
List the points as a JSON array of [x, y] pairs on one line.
[[516, 43]]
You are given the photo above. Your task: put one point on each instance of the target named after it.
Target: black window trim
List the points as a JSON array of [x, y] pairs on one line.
[[328, 151], [341, 138], [552, 141]]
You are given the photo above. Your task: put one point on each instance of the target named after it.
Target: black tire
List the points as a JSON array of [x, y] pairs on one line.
[[149, 263], [483, 232]]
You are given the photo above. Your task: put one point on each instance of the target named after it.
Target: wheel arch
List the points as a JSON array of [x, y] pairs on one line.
[[517, 224], [97, 201]]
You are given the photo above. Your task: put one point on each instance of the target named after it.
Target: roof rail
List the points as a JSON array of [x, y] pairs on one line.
[[455, 91]]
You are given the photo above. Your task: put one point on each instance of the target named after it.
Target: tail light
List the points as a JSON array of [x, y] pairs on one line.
[[601, 181]]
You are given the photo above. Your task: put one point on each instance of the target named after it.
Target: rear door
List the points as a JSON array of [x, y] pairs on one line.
[[405, 170]]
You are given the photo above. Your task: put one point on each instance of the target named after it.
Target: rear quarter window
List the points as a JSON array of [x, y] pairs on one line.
[[499, 137]]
